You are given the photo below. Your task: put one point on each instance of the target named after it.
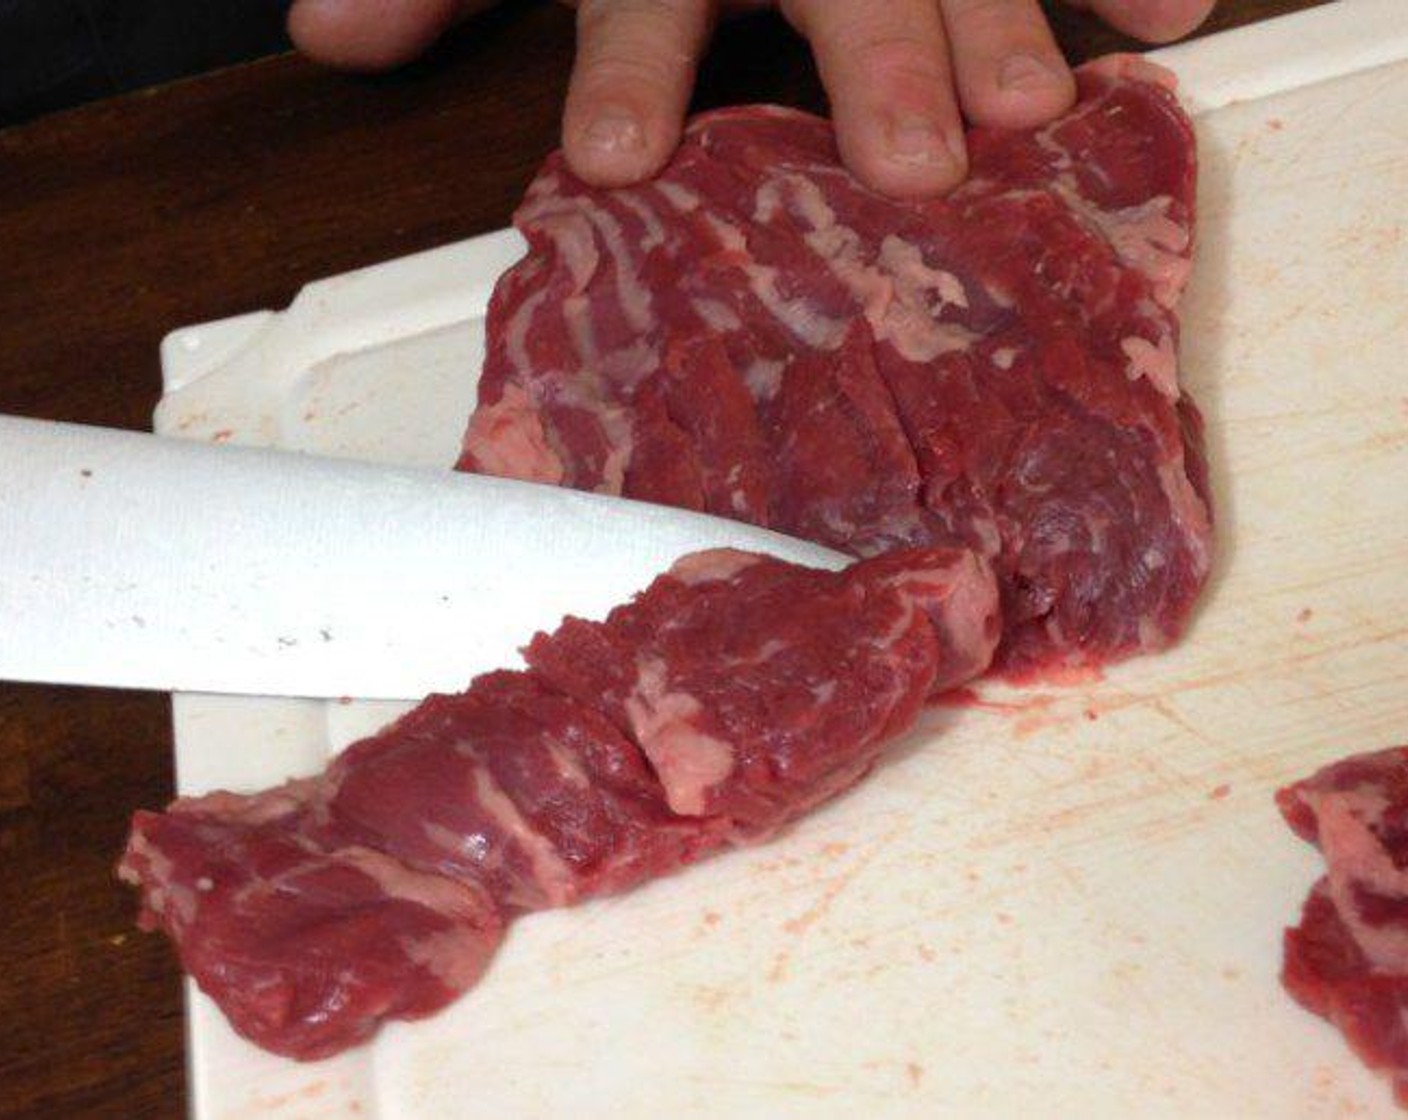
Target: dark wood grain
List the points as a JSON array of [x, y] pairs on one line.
[[205, 198]]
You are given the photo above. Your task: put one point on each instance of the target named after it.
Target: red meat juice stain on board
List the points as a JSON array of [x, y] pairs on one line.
[[1218, 793], [968, 698], [1039, 720], [308, 1092], [1060, 676], [1033, 712], [1054, 676], [1035, 709], [222, 435], [711, 999], [1304, 615], [814, 913], [958, 698]]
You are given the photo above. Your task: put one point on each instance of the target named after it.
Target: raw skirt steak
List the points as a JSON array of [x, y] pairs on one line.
[[732, 695], [1348, 958], [757, 335]]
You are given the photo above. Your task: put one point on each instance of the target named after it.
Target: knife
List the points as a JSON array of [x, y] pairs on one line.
[[136, 561]]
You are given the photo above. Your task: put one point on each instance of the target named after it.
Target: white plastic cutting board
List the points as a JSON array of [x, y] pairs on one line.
[[1067, 903]]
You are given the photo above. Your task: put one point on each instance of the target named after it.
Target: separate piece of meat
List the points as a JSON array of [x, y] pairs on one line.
[[1347, 960], [729, 697], [757, 335]]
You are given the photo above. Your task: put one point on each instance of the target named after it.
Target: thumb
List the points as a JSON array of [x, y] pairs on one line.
[[372, 34]]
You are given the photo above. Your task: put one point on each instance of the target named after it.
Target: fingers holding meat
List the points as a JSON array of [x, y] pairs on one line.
[[635, 67], [1009, 71], [887, 70], [901, 74]]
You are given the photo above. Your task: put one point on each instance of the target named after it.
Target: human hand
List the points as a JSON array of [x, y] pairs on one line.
[[899, 73]]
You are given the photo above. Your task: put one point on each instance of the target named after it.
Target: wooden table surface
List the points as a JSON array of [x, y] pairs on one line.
[[222, 194]]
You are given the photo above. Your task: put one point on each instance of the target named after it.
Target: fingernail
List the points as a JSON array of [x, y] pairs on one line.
[[614, 130], [917, 141], [1025, 71]]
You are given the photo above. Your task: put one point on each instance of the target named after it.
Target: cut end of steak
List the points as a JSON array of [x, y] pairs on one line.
[[726, 699], [307, 950], [757, 335], [1347, 960]]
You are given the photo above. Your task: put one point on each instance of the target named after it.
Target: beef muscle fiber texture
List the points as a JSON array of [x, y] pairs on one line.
[[757, 335], [728, 698], [1348, 958]]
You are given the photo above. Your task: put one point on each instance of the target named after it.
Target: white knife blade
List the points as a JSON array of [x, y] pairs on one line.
[[130, 560]]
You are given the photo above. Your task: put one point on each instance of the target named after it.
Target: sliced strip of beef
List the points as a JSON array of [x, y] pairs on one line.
[[729, 697]]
